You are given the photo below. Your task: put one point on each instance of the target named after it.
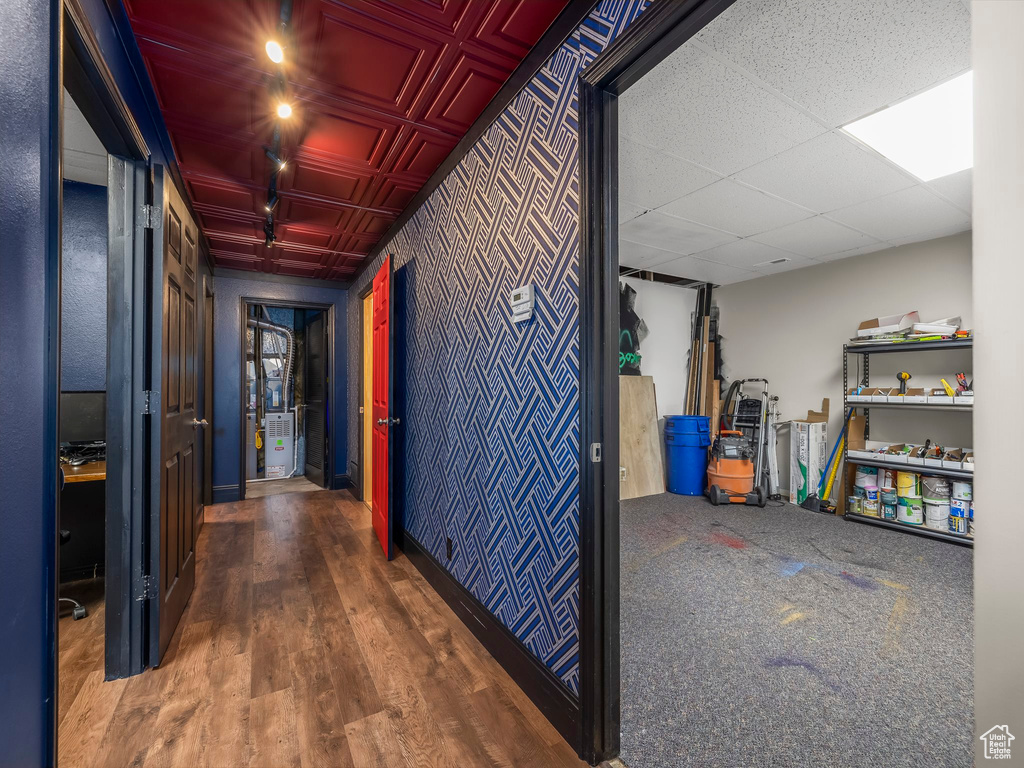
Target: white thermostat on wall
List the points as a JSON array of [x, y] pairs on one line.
[[522, 303]]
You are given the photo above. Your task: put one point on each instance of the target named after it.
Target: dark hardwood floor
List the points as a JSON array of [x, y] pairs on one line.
[[301, 646]]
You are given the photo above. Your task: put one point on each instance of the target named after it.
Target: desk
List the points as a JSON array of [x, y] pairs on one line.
[[85, 473], [83, 512]]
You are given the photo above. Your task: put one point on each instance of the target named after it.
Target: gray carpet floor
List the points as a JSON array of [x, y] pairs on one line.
[[781, 637]]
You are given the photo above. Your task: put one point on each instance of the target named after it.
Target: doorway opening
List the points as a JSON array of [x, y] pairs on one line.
[[720, 148], [286, 404]]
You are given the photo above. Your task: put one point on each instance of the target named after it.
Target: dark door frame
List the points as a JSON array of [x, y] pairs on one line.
[[659, 31], [87, 77], [328, 310], [209, 302]]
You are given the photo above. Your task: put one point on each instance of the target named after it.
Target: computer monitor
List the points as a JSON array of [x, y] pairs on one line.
[[83, 417]]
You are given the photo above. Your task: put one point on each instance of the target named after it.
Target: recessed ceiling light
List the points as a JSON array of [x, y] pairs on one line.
[[275, 51], [284, 110], [930, 134]]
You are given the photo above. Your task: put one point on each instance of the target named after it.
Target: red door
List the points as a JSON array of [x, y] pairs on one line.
[[380, 504]]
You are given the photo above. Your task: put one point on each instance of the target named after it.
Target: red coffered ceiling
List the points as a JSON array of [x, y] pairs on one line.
[[382, 91]]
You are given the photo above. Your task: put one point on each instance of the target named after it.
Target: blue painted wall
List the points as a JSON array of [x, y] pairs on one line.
[[227, 371], [491, 411], [29, 282], [83, 327]]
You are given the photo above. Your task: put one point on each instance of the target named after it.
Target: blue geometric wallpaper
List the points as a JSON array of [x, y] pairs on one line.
[[491, 408]]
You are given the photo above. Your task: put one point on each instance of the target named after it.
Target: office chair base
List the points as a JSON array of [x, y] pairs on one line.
[[78, 612]]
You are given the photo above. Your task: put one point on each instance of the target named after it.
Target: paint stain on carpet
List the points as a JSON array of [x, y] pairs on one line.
[[858, 581], [728, 541], [784, 662], [792, 568]]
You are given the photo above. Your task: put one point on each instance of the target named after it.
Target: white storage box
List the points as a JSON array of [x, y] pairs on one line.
[[808, 454]]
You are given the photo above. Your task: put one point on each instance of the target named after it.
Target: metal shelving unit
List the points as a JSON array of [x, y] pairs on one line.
[[910, 346]]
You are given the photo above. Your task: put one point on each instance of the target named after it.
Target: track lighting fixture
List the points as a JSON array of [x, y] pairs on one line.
[[271, 203], [272, 157], [275, 51], [284, 110]]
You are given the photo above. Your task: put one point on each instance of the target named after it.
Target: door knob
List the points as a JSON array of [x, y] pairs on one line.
[[200, 423], [382, 422], [394, 421]]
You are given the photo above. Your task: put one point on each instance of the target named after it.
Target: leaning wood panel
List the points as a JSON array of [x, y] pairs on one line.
[[639, 441]]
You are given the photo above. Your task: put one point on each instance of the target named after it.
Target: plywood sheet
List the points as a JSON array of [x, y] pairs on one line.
[[639, 440]]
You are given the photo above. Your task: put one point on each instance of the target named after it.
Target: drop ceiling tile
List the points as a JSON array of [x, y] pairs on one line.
[[745, 254], [695, 107], [814, 237], [902, 214], [794, 262], [628, 210], [932, 235], [642, 256], [708, 271], [735, 208], [844, 60], [671, 234], [826, 173], [651, 178], [957, 188], [873, 247]]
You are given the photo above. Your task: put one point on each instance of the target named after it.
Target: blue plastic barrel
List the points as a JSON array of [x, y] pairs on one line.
[[686, 449]]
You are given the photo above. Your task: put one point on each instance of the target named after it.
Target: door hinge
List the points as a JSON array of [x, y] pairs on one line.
[[150, 217], [595, 453], [147, 589], [150, 402]]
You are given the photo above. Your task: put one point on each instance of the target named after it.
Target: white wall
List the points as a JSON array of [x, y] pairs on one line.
[[790, 328], [998, 58], [666, 311]]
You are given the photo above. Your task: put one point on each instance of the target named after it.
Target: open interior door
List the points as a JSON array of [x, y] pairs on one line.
[[315, 417], [174, 426], [380, 504]]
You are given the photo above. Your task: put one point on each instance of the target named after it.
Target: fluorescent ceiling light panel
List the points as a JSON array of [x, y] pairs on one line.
[[930, 134]]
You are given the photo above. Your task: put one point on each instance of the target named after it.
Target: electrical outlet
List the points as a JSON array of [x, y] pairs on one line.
[[622, 474], [448, 547]]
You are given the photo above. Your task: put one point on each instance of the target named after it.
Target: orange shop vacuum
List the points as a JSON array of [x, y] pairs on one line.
[[736, 471]]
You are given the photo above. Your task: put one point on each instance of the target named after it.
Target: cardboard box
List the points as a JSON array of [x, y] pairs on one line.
[[914, 395], [916, 455], [898, 453], [887, 324], [872, 449], [884, 394], [967, 398], [938, 396], [933, 457], [853, 397], [808, 453], [953, 458], [968, 463]]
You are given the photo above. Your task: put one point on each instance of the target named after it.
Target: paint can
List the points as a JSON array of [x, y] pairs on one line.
[[934, 487], [886, 478], [971, 518], [869, 506], [959, 520], [858, 491], [936, 514], [962, 490], [908, 484], [887, 500], [910, 510], [866, 476], [853, 506]]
